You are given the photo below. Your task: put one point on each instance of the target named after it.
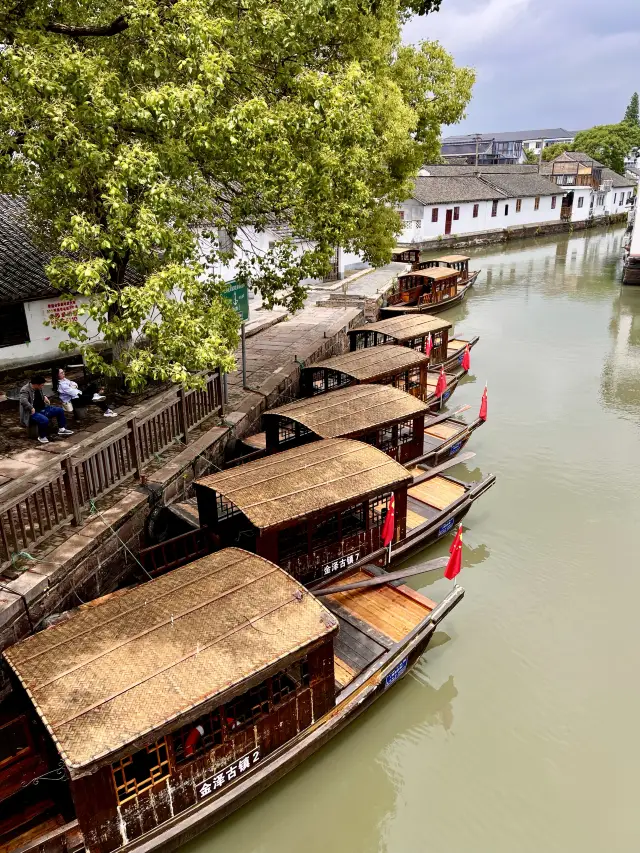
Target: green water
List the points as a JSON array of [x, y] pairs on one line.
[[518, 730]]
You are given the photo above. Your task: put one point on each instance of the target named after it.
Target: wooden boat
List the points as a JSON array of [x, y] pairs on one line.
[[403, 368], [435, 289], [379, 415], [162, 710], [413, 330], [406, 254], [460, 263], [315, 510]]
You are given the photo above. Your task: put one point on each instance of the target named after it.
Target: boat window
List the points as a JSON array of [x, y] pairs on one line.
[[225, 508], [325, 532], [353, 520], [282, 685], [247, 708], [369, 438], [15, 742], [418, 344], [139, 772], [378, 508], [334, 379], [386, 438], [405, 432], [286, 430], [292, 542], [211, 724], [413, 379], [400, 381], [317, 382], [361, 340]]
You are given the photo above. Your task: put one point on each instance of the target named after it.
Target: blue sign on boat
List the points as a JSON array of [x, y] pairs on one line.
[[455, 448], [446, 527], [396, 672]]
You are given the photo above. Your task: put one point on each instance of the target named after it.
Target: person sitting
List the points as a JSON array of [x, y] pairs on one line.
[[73, 397], [35, 408]]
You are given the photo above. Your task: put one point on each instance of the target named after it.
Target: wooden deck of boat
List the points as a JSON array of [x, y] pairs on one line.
[[444, 430], [371, 622], [438, 492], [258, 441], [455, 345]]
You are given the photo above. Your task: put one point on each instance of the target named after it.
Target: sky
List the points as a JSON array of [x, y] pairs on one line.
[[540, 63]]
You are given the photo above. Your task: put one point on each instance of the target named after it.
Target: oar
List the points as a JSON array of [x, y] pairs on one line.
[[457, 460], [431, 566], [445, 417]]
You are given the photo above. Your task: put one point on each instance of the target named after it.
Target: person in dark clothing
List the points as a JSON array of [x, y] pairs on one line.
[[35, 408], [71, 395]]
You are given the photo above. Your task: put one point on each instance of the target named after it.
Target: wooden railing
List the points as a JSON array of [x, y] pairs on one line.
[[71, 481]]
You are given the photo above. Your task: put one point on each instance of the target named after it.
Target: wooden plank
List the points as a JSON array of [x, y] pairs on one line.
[[373, 610], [414, 520], [342, 672], [444, 430], [347, 615], [438, 492]]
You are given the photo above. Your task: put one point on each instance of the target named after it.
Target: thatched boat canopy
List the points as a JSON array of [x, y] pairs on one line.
[[367, 365], [148, 659], [405, 327], [299, 482], [452, 259], [351, 410], [435, 273]]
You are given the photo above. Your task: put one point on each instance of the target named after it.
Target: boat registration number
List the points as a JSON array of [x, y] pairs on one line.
[[455, 448], [446, 527], [228, 774], [339, 563], [396, 672]]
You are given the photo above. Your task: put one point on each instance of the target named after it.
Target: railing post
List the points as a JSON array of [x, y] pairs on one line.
[[134, 446], [217, 384], [182, 414], [71, 489]]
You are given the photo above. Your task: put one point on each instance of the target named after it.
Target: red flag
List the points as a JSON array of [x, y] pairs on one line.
[[483, 405], [441, 385], [455, 560], [388, 528], [428, 346], [466, 358], [456, 539]]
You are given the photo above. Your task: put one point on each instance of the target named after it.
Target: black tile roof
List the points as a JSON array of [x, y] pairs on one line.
[[22, 263], [481, 186], [515, 135]]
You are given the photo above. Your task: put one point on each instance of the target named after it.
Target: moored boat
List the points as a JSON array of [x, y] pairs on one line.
[[154, 714], [401, 367], [430, 291], [460, 263], [316, 510], [415, 331]]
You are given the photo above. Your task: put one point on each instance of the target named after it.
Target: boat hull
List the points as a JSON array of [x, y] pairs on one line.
[[428, 308]]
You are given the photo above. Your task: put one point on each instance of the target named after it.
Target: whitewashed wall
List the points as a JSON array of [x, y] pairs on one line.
[[468, 224], [44, 340]]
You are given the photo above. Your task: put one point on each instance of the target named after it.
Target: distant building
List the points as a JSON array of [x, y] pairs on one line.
[[462, 199], [590, 188], [501, 148]]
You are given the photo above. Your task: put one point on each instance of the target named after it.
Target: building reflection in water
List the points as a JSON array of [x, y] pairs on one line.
[[620, 382]]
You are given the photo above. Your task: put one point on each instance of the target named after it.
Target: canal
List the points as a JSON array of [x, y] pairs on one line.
[[518, 730]]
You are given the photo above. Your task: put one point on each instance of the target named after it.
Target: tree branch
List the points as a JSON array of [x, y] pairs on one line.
[[117, 26]]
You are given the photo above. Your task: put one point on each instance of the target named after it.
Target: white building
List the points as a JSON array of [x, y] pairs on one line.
[[456, 201]]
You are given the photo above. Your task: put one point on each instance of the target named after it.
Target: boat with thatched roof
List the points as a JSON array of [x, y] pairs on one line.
[[403, 368], [149, 716], [415, 331], [316, 510]]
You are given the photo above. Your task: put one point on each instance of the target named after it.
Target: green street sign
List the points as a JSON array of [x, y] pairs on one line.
[[238, 294]]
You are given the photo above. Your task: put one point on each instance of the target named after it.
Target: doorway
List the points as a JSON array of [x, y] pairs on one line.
[[448, 220]]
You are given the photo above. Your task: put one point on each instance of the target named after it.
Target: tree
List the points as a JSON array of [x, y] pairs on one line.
[[135, 129], [632, 114], [609, 143], [530, 156], [553, 151]]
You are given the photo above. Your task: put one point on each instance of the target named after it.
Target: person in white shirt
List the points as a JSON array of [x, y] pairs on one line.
[[73, 398]]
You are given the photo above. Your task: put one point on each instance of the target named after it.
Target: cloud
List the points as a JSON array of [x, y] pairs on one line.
[[541, 63]]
